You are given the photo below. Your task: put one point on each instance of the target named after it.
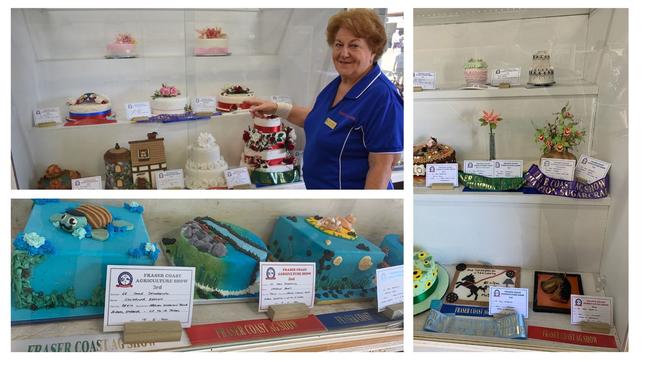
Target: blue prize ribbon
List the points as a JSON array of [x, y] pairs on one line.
[[509, 326], [465, 310], [538, 182]]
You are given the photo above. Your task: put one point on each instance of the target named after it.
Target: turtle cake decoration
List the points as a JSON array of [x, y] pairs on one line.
[[89, 221]]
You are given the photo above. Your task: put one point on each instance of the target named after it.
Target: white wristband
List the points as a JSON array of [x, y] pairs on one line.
[[283, 110]]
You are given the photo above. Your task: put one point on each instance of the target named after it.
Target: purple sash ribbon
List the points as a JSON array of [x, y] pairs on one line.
[[543, 184]]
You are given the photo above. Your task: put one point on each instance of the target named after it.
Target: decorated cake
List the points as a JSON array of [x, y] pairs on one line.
[[90, 108], [392, 246], [232, 98], [475, 72], [430, 152], [122, 47], [117, 162], [541, 73], [470, 284], [211, 42], [205, 165], [346, 263], [267, 152], [167, 100], [57, 178], [430, 281], [59, 260], [226, 257]]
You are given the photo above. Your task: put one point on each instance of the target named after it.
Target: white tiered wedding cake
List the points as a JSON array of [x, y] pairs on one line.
[[541, 73], [205, 165]]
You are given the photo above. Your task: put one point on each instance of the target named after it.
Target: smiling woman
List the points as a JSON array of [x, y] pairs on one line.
[[354, 130]]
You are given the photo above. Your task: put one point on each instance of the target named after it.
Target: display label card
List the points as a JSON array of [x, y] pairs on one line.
[[425, 80], [204, 104], [589, 170], [389, 286], [105, 342], [479, 167], [148, 293], [87, 183], [558, 168], [286, 283], [510, 76], [508, 168], [138, 110], [441, 173], [504, 300], [584, 308], [281, 99], [237, 177], [170, 179], [47, 116]]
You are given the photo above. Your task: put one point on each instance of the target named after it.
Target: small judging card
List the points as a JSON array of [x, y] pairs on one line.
[[479, 167], [589, 170], [584, 308], [510, 76], [286, 283], [425, 80], [138, 110], [508, 168], [148, 293], [204, 104], [47, 116], [87, 183], [441, 173], [237, 177], [170, 179], [389, 286], [558, 168], [504, 300]]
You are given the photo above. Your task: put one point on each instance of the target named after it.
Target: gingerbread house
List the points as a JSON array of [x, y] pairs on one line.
[[147, 158]]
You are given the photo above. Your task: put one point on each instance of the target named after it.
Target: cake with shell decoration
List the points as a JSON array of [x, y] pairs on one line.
[[205, 165], [541, 73], [475, 72], [345, 262]]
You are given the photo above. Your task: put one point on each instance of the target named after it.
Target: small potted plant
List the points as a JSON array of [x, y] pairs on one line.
[[559, 137]]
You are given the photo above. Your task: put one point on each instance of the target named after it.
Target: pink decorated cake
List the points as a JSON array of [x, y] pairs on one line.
[[122, 47], [167, 101], [211, 42], [268, 152], [475, 72]]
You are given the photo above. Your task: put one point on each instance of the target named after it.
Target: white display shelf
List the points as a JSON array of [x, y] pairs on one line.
[[123, 122], [580, 88], [450, 342], [456, 16], [423, 194]]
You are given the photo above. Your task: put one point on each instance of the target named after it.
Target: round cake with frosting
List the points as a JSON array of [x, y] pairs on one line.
[[430, 281], [89, 107], [232, 98], [122, 47], [475, 72], [430, 152], [205, 165], [167, 100], [211, 42], [542, 72]]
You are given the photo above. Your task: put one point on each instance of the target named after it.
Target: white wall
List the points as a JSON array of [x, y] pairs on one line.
[[59, 54], [376, 218], [609, 62]]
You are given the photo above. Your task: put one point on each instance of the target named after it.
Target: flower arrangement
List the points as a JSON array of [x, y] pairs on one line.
[[491, 119], [235, 89], [561, 135], [166, 92], [124, 38], [211, 33]]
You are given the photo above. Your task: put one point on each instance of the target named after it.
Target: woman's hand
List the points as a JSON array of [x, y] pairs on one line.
[[261, 108]]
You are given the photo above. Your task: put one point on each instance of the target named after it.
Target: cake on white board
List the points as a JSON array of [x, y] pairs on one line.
[[122, 47], [211, 42], [167, 100], [205, 165], [541, 73], [232, 98]]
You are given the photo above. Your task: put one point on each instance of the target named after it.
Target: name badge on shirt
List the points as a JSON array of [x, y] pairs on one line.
[[330, 123]]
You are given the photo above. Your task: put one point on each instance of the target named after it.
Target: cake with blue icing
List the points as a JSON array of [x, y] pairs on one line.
[[226, 257], [59, 260], [392, 246], [346, 263]]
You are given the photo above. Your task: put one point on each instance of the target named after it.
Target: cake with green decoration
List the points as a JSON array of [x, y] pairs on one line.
[[475, 72], [58, 262], [226, 257], [346, 262], [430, 281]]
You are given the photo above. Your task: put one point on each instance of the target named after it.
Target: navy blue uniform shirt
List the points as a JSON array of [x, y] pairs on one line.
[[339, 139]]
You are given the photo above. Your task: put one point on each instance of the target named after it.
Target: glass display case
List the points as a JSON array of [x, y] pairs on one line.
[[61, 54], [588, 49], [58, 281]]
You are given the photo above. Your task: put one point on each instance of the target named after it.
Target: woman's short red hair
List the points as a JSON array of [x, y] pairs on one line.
[[362, 23]]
